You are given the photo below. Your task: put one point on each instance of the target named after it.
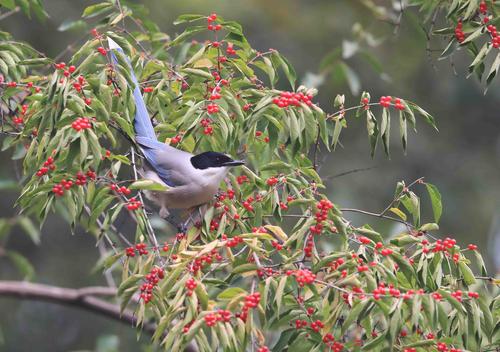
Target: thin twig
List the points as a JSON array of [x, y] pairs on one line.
[[10, 13], [377, 216]]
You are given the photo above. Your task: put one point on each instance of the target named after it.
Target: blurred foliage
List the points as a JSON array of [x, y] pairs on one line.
[[289, 136]]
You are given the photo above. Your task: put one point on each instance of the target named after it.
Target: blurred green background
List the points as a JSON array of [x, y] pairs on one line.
[[462, 160]]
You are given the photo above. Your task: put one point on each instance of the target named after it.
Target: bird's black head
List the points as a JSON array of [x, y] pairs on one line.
[[213, 159]]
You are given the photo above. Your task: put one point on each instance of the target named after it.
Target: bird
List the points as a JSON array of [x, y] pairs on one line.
[[190, 180]]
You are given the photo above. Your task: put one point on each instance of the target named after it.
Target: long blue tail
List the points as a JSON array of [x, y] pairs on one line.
[[142, 123]]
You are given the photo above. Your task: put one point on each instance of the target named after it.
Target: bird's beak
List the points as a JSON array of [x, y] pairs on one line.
[[235, 163]]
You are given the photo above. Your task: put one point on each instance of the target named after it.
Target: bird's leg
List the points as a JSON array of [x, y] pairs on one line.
[[164, 213], [170, 219], [183, 227]]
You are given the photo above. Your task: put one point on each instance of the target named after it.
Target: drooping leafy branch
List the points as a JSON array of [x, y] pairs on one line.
[[273, 261]]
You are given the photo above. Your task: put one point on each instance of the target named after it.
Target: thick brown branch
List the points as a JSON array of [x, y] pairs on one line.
[[81, 298]]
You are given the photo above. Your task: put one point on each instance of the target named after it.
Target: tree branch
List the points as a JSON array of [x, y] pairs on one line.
[[81, 298]]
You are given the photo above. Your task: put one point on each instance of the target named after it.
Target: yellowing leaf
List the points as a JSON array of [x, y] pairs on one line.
[[277, 231], [203, 63]]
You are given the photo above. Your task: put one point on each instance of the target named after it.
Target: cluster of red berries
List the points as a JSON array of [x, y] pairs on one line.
[[358, 291], [266, 271], [365, 101], [308, 249], [385, 251], [251, 301], [207, 124], [362, 268], [271, 181], [323, 206], [191, 285], [283, 206], [221, 315], [277, 245], [317, 325], [459, 33], [123, 190], [102, 51], [212, 108], [335, 346], [154, 276], [299, 324], [133, 204], [81, 178], [19, 120], [79, 88], [292, 99], [483, 7], [495, 38], [139, 247], [211, 26], [147, 89], [364, 240], [204, 260], [230, 49], [47, 165], [232, 242], [214, 225], [385, 102], [443, 347], [176, 139], [247, 204], [444, 245], [381, 290], [458, 295], [229, 194], [81, 123], [258, 134], [472, 247], [59, 188], [437, 296], [62, 66], [336, 263], [242, 179], [303, 276]]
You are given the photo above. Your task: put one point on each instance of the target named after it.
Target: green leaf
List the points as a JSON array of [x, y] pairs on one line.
[[22, 264], [336, 133], [467, 273], [188, 18], [188, 33], [371, 344], [10, 4], [354, 314], [230, 293], [437, 206], [29, 228], [69, 25], [244, 268], [290, 73], [96, 10], [149, 185]]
